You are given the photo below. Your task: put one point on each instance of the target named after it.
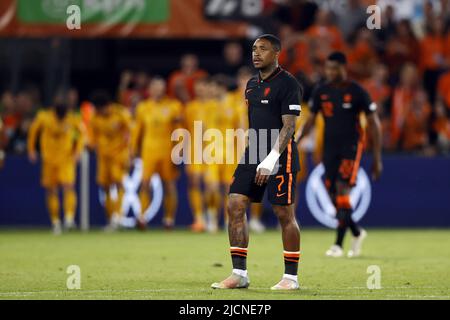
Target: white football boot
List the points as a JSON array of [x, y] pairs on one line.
[[256, 226], [357, 242], [335, 251], [286, 284], [56, 228], [234, 281]]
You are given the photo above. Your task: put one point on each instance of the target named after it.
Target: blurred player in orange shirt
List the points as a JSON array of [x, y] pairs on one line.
[[111, 129], [181, 82], [61, 137], [156, 119]]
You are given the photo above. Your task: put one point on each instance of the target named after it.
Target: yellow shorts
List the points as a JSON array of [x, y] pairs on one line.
[[111, 170], [57, 174], [219, 173], [161, 165]]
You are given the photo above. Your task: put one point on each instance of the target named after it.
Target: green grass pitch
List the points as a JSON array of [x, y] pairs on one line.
[[414, 264]]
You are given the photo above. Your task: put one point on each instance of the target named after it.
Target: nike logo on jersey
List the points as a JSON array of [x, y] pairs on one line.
[[280, 195]]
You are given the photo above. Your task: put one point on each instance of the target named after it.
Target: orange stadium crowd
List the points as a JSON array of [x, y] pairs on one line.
[[404, 65]]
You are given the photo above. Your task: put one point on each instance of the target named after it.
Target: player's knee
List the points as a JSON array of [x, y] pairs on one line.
[[284, 214], [236, 206]]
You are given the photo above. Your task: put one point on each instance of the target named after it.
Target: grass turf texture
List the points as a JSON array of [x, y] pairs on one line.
[[415, 264]]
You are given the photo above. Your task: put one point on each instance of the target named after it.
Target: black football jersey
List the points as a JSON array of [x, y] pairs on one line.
[[341, 106], [268, 100]]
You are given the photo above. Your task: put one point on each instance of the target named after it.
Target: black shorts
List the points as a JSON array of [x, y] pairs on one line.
[[341, 163], [280, 186]]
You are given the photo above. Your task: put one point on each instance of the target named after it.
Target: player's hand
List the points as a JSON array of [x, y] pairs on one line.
[[266, 168], [32, 156], [377, 169], [262, 176]]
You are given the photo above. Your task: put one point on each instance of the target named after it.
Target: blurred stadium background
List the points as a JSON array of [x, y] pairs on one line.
[[123, 44]]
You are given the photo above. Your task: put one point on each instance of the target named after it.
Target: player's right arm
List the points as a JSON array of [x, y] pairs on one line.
[[33, 133], [374, 128], [314, 105]]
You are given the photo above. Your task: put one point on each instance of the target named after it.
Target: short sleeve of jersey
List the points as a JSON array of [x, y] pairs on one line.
[[365, 102], [314, 101], [291, 97]]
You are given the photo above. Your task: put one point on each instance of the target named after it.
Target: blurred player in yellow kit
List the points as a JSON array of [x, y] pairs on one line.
[[156, 119], [244, 74], [61, 140], [110, 129], [196, 111], [224, 115]]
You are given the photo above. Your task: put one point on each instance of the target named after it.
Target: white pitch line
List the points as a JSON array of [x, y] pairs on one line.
[[68, 292]]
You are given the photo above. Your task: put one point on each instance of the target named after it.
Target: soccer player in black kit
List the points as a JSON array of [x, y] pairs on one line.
[[270, 162], [341, 101]]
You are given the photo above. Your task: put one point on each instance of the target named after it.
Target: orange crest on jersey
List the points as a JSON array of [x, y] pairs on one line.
[[266, 92]]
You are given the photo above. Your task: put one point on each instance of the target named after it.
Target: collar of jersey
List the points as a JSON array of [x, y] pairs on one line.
[[271, 76]]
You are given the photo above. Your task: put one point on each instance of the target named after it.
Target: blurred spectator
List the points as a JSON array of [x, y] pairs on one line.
[[233, 60], [362, 55], [325, 36], [297, 13], [441, 126], [181, 82], [351, 17], [378, 88], [132, 88], [9, 115], [295, 55], [432, 56], [22, 116], [402, 47], [443, 90], [387, 29], [410, 112]]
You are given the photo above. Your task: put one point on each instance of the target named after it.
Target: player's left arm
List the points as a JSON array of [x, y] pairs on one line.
[[266, 167], [291, 97], [374, 130]]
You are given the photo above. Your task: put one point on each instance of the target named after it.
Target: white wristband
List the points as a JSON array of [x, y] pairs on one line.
[[273, 156]]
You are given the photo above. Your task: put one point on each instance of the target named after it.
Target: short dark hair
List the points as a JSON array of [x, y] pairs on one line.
[[274, 40], [100, 99], [338, 57]]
